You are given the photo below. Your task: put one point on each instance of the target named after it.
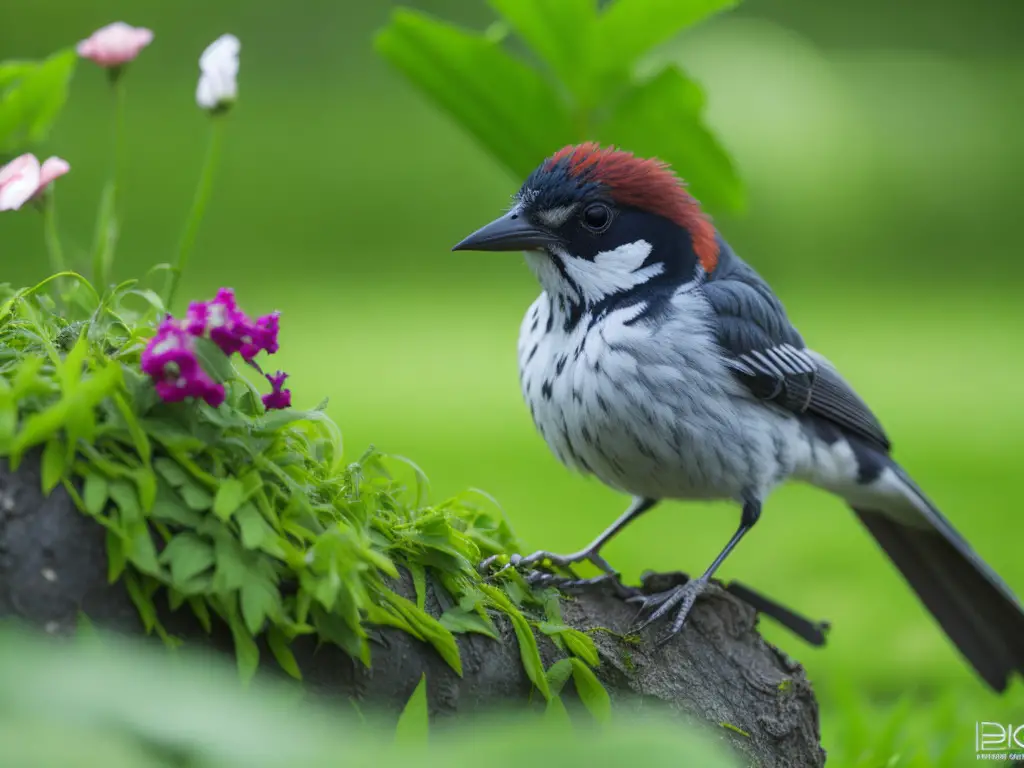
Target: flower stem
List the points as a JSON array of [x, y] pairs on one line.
[[195, 216], [53, 247], [106, 219]]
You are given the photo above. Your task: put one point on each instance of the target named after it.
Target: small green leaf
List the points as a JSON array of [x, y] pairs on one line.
[[116, 557], [201, 612], [253, 527], [459, 620], [187, 555], [558, 675], [95, 493], [170, 509], [260, 599], [53, 464], [413, 727], [196, 497], [282, 652], [556, 714], [528, 650], [247, 653], [419, 581], [593, 695], [508, 107], [213, 360], [170, 471], [143, 601], [430, 628], [229, 496], [127, 500], [141, 550]]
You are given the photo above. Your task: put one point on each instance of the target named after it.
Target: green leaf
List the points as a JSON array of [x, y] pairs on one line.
[[593, 695], [213, 360], [558, 675], [282, 652], [229, 497], [662, 118], [95, 493], [170, 509], [459, 620], [430, 628], [528, 650], [53, 464], [556, 714], [187, 555], [627, 29], [139, 437], [247, 653], [260, 600], [253, 527], [116, 557], [561, 32], [196, 497], [141, 550], [34, 97], [508, 107], [413, 729], [419, 581], [170, 471], [127, 500]]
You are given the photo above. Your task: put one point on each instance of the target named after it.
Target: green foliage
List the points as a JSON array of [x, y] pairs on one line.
[[234, 513], [414, 723], [582, 83], [93, 703], [31, 97]]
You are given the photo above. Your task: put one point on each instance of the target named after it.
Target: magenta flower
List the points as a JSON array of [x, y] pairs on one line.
[[279, 398], [230, 328], [115, 44], [170, 360], [24, 179]]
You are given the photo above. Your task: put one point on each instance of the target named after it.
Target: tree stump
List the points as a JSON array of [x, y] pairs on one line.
[[718, 671]]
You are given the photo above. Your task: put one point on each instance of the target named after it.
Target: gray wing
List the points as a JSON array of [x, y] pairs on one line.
[[768, 355]]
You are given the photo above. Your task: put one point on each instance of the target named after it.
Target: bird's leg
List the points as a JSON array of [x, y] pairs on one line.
[[686, 595], [591, 553]]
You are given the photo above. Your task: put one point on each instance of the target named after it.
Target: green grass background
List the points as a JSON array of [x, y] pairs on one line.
[[882, 151]]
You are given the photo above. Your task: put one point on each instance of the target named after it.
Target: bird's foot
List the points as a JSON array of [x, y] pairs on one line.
[[684, 596], [546, 578], [520, 563]]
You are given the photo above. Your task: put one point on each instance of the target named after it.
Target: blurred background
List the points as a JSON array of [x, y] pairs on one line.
[[881, 145]]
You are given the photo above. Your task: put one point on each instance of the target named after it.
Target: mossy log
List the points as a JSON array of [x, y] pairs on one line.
[[718, 671]]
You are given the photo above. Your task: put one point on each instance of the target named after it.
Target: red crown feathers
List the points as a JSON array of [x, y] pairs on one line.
[[648, 184]]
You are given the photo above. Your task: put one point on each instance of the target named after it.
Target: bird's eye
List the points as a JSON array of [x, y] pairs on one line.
[[597, 217]]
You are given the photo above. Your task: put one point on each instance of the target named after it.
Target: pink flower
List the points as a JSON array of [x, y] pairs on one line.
[[115, 44], [230, 328], [170, 360], [24, 179], [262, 336], [278, 398]]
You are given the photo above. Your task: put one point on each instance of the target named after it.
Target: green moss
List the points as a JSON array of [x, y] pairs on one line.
[[254, 519]]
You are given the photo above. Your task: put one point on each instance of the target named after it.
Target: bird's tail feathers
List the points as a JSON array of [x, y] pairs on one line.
[[973, 605]]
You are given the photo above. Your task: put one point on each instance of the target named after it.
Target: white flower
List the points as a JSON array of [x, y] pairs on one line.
[[218, 78]]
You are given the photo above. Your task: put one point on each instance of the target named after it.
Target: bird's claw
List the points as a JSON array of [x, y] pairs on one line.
[[537, 577], [683, 596]]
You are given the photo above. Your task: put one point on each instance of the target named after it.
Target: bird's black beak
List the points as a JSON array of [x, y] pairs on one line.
[[512, 232]]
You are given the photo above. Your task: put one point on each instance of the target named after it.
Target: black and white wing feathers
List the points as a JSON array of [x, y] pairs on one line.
[[769, 357]]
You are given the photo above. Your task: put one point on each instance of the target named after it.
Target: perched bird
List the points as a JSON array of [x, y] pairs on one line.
[[660, 362]]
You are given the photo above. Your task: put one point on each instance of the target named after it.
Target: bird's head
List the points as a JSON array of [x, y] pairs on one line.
[[600, 222]]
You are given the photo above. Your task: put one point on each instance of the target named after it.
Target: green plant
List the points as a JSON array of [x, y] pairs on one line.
[[585, 78], [213, 501]]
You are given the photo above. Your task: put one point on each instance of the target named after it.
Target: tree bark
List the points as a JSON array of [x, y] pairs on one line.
[[719, 670]]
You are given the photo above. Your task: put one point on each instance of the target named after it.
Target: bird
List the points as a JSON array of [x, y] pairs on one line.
[[658, 361]]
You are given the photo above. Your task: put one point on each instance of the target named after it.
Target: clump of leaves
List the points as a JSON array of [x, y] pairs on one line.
[[250, 517], [582, 77]]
